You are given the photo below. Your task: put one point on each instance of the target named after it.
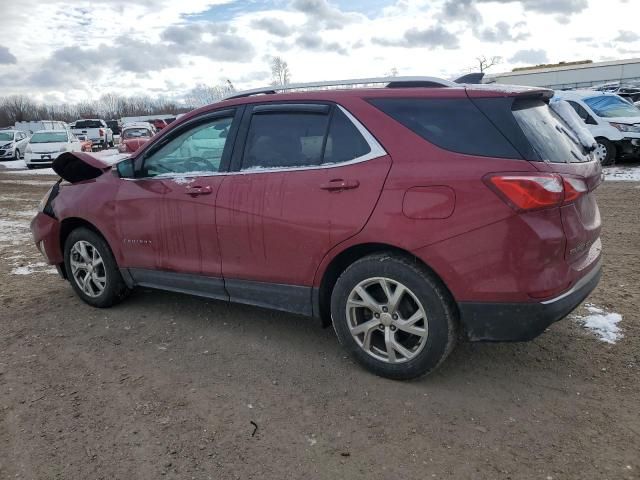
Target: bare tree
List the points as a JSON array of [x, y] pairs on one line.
[[484, 63], [280, 74], [392, 73], [202, 94]]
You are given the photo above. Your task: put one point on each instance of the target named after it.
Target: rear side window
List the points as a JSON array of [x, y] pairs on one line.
[[284, 139], [548, 134], [453, 124]]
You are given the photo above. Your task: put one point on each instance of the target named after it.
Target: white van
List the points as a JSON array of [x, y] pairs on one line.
[[37, 125], [612, 120]]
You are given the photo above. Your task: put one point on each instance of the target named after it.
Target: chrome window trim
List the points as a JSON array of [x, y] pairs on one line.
[[376, 151]]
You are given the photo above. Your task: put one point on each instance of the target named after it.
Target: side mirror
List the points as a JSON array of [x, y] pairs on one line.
[[126, 168]]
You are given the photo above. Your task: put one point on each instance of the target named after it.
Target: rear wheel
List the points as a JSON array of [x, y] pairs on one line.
[[605, 151], [393, 316], [92, 269]]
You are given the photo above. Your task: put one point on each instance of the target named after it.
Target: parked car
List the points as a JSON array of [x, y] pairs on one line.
[[364, 208], [46, 145], [134, 136], [30, 127], [96, 130], [86, 145], [13, 143], [158, 123], [612, 120], [114, 125]]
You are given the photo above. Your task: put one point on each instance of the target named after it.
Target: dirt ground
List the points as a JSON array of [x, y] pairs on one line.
[[170, 386]]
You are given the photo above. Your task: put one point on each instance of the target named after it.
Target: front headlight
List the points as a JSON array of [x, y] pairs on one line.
[[623, 127]]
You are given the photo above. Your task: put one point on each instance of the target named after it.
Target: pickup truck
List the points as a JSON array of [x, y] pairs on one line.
[[95, 130]]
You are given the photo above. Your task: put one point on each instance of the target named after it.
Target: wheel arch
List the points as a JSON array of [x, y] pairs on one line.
[[341, 261], [70, 224]]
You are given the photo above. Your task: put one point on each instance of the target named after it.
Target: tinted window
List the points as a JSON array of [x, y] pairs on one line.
[[547, 132], [344, 141], [452, 124], [88, 124], [6, 136], [197, 150], [582, 113], [49, 137], [284, 139]]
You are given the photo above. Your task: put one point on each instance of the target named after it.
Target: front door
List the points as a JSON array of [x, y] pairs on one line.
[[166, 214]]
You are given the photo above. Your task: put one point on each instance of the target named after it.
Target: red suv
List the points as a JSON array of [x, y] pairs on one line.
[[407, 217]]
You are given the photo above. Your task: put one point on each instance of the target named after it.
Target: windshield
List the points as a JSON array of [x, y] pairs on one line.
[[548, 133], [6, 136], [49, 137], [136, 133], [609, 106], [88, 124]]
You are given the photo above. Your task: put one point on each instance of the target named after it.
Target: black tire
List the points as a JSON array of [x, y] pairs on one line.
[[115, 289], [441, 323], [30, 167], [610, 156], [17, 155]]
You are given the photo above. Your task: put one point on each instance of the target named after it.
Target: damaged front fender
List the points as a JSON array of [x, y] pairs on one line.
[[78, 166]]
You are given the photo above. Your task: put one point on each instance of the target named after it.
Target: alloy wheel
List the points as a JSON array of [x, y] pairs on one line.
[[87, 268], [387, 320]]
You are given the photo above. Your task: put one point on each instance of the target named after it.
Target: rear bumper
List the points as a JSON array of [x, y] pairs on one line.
[[517, 322]]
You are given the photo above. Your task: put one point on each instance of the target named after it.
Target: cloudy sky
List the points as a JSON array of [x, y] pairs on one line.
[[59, 50]]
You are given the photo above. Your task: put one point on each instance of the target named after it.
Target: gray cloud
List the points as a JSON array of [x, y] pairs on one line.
[[320, 13], [566, 7], [225, 45], [464, 10], [532, 57], [627, 36], [274, 26], [313, 41], [502, 32], [6, 57], [436, 36], [583, 39]]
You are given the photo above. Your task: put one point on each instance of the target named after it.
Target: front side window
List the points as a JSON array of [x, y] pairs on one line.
[[197, 150], [611, 106]]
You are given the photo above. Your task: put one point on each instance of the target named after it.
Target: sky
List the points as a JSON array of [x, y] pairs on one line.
[[69, 51]]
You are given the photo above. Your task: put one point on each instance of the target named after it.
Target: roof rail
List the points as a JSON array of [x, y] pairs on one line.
[[390, 82]]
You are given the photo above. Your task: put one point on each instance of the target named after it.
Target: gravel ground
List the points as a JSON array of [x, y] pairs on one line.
[[170, 386]]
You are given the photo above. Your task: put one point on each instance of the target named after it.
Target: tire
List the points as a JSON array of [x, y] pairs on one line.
[[16, 155], [424, 351], [113, 290], [605, 151], [30, 167]]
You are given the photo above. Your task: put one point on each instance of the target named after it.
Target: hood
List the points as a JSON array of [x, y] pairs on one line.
[[627, 120], [77, 166], [46, 147]]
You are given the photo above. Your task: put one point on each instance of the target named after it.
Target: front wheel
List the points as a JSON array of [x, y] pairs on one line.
[[605, 151], [16, 155], [393, 316], [92, 269]]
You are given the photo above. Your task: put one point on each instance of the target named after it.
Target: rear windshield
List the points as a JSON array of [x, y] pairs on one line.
[[136, 133], [88, 124], [548, 134], [609, 106], [49, 137]]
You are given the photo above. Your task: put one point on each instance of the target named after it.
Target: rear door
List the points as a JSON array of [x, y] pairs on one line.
[[306, 178]]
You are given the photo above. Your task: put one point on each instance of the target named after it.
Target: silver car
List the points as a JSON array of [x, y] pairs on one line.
[[13, 144]]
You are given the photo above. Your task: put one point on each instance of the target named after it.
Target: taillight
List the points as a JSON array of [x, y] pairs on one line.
[[573, 188], [536, 191], [528, 192]]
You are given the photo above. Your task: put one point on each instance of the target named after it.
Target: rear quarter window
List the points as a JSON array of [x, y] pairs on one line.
[[456, 125]]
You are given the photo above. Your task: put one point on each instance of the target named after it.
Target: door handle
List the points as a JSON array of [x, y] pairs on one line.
[[195, 190], [339, 184]]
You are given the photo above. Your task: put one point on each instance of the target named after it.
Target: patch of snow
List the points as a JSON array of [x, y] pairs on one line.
[[575, 123], [622, 173], [13, 232], [35, 183], [602, 323], [35, 171], [39, 267], [13, 164]]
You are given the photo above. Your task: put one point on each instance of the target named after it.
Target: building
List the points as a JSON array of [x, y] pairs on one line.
[[570, 75]]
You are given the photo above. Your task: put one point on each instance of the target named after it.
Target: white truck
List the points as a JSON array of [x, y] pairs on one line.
[[95, 130]]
